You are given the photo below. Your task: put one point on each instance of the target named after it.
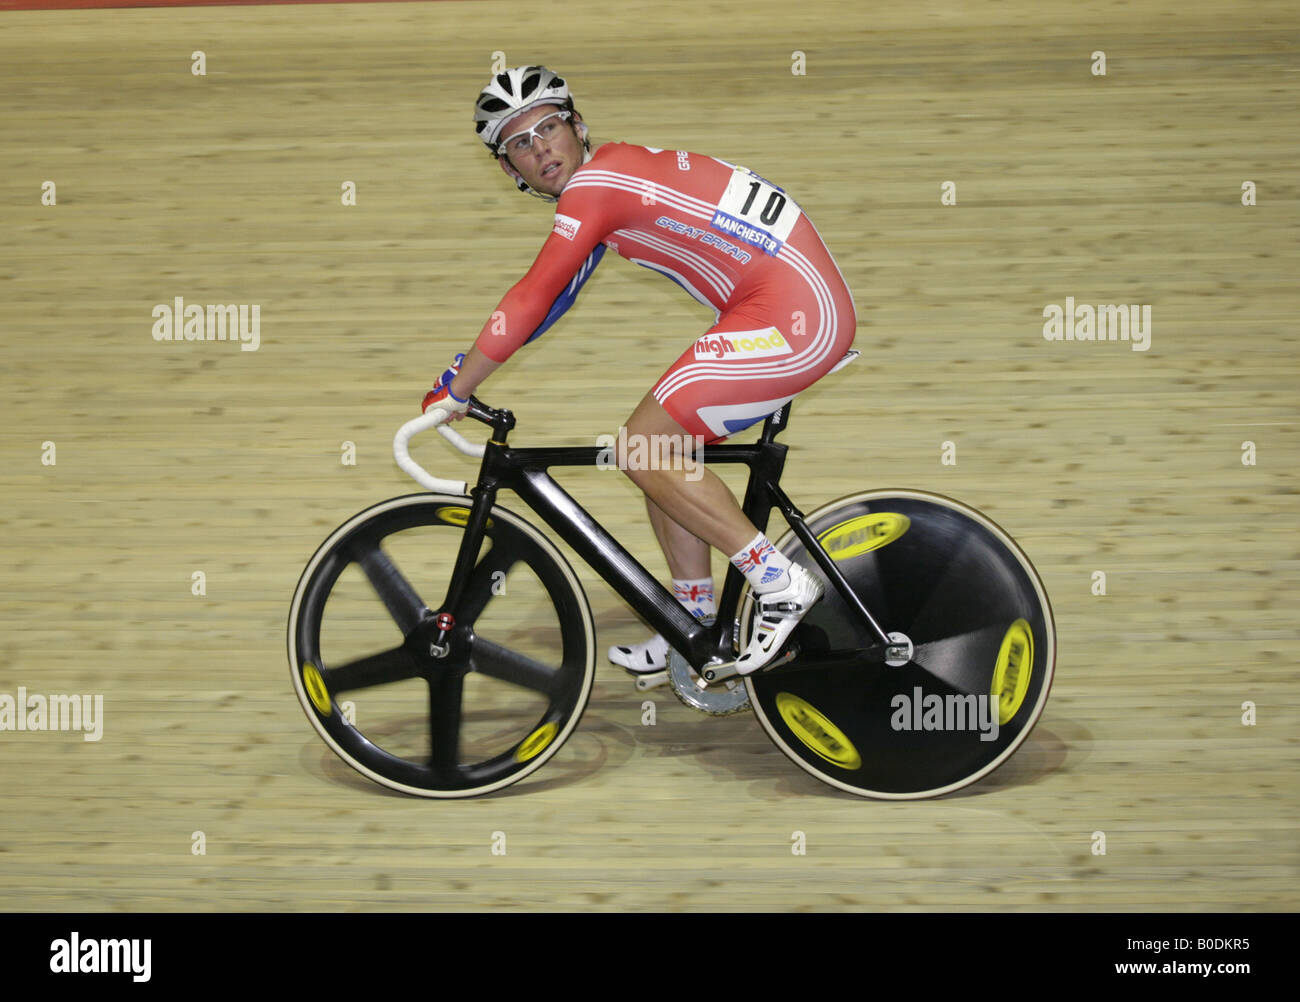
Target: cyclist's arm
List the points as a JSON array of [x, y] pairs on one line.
[[483, 366], [473, 370], [537, 300]]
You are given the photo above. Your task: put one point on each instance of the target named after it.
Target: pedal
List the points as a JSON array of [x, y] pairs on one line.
[[645, 681]]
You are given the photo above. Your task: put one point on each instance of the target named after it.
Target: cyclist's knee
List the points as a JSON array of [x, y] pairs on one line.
[[651, 442], [639, 452]]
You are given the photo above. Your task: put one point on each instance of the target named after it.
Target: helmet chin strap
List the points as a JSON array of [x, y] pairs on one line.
[[526, 189]]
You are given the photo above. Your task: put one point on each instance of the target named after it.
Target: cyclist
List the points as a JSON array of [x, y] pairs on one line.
[[736, 243]]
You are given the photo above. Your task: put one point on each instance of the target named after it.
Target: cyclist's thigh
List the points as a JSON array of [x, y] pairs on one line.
[[758, 356]]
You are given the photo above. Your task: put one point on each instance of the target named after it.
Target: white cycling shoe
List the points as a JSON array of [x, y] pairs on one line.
[[779, 613], [641, 659]]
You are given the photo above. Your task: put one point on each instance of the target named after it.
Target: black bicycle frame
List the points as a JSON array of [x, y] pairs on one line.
[[524, 471]]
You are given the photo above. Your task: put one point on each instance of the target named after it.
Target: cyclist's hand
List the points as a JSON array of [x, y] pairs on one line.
[[441, 396]]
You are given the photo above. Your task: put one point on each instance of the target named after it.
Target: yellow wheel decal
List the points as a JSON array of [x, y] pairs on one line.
[[532, 745], [320, 696], [456, 515], [1014, 666], [814, 729], [863, 534]]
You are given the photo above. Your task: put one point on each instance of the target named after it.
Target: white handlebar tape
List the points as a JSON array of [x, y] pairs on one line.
[[401, 451]]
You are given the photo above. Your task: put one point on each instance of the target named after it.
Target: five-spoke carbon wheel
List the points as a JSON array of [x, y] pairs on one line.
[[427, 706]]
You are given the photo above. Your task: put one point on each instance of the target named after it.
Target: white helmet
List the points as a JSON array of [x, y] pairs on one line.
[[514, 91]]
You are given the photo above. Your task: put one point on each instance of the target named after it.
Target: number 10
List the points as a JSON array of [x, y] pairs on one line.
[[772, 211]]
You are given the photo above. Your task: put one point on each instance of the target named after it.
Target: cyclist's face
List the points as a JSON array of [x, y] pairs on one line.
[[551, 160]]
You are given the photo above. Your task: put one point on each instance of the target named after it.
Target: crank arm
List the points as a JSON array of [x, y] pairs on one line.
[[651, 680]]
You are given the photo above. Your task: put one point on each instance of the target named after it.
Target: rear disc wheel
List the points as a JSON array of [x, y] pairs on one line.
[[983, 654]]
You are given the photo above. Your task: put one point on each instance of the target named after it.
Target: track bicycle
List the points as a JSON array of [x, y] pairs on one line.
[[923, 668]]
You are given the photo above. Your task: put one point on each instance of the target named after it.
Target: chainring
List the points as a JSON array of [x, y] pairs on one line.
[[720, 699]]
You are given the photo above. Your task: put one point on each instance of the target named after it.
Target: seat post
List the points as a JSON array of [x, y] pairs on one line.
[[776, 422]]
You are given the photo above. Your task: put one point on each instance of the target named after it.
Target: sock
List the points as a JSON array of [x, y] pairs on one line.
[[696, 594], [765, 568]]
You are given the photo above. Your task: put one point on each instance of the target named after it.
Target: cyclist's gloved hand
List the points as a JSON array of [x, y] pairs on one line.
[[442, 397]]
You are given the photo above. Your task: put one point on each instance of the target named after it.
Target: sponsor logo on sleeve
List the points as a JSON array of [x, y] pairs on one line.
[[566, 226]]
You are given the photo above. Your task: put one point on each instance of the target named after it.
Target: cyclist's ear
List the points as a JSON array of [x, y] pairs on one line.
[[509, 168]]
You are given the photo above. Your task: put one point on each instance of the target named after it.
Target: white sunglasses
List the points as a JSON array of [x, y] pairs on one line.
[[522, 142]]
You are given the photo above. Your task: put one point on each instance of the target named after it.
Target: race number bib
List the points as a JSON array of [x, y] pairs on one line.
[[755, 212]]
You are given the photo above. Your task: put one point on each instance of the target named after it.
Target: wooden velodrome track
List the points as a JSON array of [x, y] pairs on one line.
[[176, 458]]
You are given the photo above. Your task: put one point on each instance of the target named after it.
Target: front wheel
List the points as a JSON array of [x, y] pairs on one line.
[[426, 710], [955, 584]]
